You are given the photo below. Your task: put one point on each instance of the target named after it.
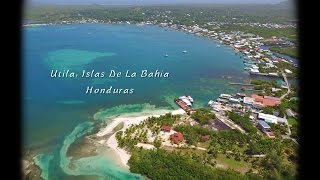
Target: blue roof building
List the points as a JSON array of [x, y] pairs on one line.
[[263, 124]]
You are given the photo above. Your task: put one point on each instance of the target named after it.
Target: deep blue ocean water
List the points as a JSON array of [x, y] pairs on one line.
[[57, 111]]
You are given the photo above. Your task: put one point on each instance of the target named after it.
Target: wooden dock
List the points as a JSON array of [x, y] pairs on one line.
[[256, 90], [242, 84], [182, 105], [264, 74]]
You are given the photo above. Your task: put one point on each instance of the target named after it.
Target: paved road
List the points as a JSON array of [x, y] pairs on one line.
[[288, 137], [229, 122], [288, 85]]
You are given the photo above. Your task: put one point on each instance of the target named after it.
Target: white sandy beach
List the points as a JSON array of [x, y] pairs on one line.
[[113, 143], [132, 120]]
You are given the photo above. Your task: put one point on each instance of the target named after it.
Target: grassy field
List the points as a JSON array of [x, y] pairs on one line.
[[240, 166], [203, 144], [292, 121], [292, 51]]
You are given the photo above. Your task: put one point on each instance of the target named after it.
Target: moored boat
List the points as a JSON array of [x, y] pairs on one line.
[[185, 102]]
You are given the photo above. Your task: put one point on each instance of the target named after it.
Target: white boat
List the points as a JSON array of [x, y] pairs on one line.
[[222, 100], [185, 51], [234, 100], [190, 99], [254, 71], [186, 100], [166, 55], [225, 96]]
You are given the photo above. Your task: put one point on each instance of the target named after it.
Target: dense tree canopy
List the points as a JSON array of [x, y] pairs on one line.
[[203, 115], [159, 164], [243, 121]]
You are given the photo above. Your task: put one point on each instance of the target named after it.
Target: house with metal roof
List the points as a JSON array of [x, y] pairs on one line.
[[263, 125], [268, 118]]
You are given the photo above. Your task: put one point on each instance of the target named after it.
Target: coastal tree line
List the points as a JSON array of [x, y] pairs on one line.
[[279, 161]]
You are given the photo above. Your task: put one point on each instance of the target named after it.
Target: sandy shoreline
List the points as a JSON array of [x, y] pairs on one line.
[[112, 143]]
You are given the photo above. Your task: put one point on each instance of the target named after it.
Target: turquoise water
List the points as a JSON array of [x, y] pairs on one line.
[[57, 112]]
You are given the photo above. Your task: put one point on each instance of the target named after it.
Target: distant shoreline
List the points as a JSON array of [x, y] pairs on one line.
[[220, 42]]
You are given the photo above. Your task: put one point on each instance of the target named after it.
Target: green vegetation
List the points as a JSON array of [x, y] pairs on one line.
[[167, 119], [289, 104], [284, 65], [263, 146], [295, 131], [241, 166], [203, 116], [264, 32], [197, 14], [160, 164], [291, 51], [243, 121], [279, 129], [226, 17], [193, 134], [157, 143], [274, 167], [290, 150], [270, 110], [230, 140], [292, 121], [267, 86], [138, 133], [263, 69], [229, 149]]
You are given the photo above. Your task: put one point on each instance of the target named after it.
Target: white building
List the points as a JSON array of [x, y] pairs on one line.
[[268, 118], [269, 65], [225, 96], [275, 89], [234, 100]]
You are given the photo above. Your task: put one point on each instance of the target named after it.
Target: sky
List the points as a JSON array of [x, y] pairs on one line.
[[150, 2]]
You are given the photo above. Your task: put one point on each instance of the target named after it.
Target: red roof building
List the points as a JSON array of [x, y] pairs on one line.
[[166, 128], [257, 98], [272, 98], [267, 100], [176, 137]]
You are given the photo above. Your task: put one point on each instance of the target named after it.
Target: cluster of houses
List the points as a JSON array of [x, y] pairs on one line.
[[267, 25], [176, 137], [265, 128], [246, 43], [259, 102], [255, 103]]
